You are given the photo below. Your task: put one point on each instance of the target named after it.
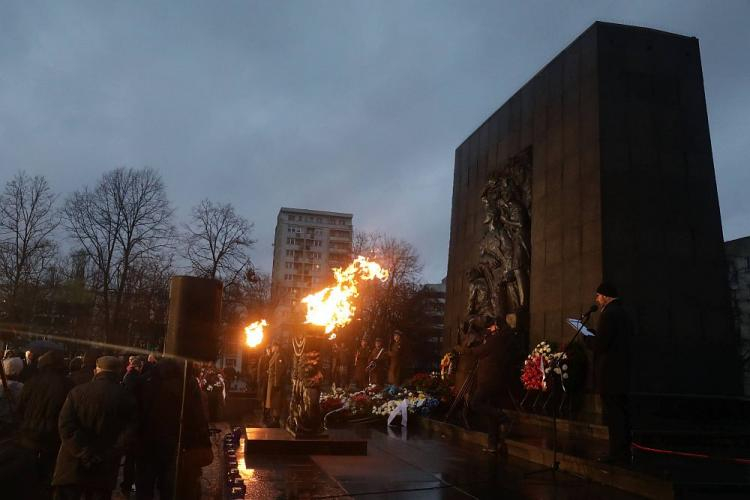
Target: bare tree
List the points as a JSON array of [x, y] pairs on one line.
[[217, 241], [147, 299], [124, 218], [398, 256], [27, 221], [387, 304]]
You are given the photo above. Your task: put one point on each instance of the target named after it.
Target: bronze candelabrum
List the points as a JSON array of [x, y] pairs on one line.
[[305, 419]]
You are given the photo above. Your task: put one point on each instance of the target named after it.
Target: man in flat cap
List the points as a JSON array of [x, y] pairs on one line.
[[611, 346], [39, 408], [97, 424]]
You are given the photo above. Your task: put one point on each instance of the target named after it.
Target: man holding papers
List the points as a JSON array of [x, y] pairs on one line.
[[611, 345]]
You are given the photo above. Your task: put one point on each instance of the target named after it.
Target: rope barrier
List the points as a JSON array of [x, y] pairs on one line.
[[689, 454]]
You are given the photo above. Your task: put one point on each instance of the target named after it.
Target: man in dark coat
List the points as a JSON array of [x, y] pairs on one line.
[[277, 377], [86, 373], [491, 379], [159, 431], [395, 359], [261, 380], [341, 364], [149, 367], [97, 425], [360, 364], [39, 407], [611, 346], [133, 382]]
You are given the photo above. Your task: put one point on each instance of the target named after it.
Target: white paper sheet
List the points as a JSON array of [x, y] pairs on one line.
[[576, 324]]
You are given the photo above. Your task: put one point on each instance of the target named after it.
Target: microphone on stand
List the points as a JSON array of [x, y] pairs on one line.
[[588, 313]]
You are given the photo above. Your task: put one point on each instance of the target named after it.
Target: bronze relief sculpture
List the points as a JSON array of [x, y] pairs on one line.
[[499, 283]]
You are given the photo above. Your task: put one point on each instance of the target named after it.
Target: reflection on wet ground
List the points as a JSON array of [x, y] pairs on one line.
[[406, 464]]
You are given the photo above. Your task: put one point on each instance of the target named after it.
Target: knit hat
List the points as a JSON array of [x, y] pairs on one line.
[[108, 363], [607, 289]]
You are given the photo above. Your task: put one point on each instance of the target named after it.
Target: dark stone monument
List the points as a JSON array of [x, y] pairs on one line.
[[606, 154]]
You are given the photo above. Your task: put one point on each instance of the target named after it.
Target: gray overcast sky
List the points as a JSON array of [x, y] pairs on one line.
[[348, 106]]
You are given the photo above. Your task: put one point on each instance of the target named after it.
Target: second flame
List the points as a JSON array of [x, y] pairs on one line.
[[254, 333], [332, 306]]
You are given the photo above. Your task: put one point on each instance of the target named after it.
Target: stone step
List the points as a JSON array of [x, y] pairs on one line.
[[667, 432], [274, 441], [584, 406], [576, 455], [577, 463], [582, 428]]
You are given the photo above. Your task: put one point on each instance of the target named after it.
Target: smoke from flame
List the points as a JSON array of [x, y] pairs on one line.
[[332, 306], [254, 333]]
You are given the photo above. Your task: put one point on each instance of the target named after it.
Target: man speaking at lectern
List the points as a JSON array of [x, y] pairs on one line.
[[611, 346]]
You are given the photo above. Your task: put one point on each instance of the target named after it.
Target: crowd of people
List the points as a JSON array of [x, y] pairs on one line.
[[71, 429]]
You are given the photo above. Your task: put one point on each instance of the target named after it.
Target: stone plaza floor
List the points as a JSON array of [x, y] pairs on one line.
[[407, 464]]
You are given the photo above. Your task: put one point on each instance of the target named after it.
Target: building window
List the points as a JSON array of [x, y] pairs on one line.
[[290, 253], [289, 265]]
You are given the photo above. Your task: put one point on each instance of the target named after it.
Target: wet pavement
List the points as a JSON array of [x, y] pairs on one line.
[[406, 464]]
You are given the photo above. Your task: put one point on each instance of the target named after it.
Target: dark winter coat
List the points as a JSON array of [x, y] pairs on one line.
[[395, 364], [29, 371], [39, 408], [360, 367], [85, 374], [277, 377], [611, 346], [160, 416], [493, 357], [97, 424]]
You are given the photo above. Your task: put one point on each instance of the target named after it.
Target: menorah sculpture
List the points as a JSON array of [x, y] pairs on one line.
[[305, 419]]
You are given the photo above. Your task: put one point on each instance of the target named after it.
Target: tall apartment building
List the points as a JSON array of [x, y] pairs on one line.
[[307, 244]]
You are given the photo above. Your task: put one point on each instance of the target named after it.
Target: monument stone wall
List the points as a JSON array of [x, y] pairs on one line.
[[623, 189]]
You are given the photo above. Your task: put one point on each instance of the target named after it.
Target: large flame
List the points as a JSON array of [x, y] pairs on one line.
[[254, 333], [332, 306]]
